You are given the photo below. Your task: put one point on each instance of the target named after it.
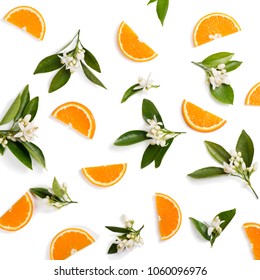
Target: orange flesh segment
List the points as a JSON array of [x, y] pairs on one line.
[[169, 216], [131, 46], [18, 215]]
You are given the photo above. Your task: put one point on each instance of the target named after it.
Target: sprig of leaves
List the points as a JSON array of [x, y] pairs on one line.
[[237, 163], [211, 231], [160, 137], [17, 138], [161, 8], [143, 85], [216, 67], [128, 238], [68, 62], [57, 196]]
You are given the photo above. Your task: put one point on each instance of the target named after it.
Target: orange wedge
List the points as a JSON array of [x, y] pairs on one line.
[[253, 233], [213, 26], [29, 19], [106, 175], [253, 96], [78, 116], [169, 214], [131, 46], [18, 215], [68, 242], [199, 119]]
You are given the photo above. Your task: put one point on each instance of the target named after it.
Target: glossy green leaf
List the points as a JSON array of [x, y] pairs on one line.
[[201, 227], [35, 152], [31, 108], [12, 111], [151, 1], [226, 216], [112, 249], [150, 154], [20, 153], [48, 64], [223, 93], [60, 79], [131, 137], [41, 192], [91, 76], [131, 91], [57, 188], [232, 65], [161, 9], [162, 153], [149, 111], [91, 61], [25, 98], [2, 150], [214, 60], [206, 172], [118, 229], [246, 147], [217, 152]]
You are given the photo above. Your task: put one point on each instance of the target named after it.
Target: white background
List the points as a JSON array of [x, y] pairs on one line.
[[66, 151]]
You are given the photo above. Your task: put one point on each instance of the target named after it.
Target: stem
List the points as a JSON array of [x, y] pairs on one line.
[[249, 184], [202, 66], [140, 228]]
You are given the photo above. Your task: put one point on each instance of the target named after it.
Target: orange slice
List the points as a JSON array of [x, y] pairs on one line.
[[253, 233], [213, 26], [131, 46], [253, 96], [18, 215], [106, 175], [29, 19], [169, 214], [199, 119], [78, 116], [68, 242]]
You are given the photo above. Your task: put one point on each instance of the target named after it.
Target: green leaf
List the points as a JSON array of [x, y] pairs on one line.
[[91, 61], [206, 172], [31, 108], [217, 152], [118, 229], [161, 154], [60, 79], [223, 93], [2, 150], [48, 64], [226, 216], [12, 111], [131, 137], [150, 154], [131, 91], [232, 65], [91, 76], [35, 152], [56, 188], [149, 111], [20, 153], [25, 98], [162, 8], [214, 60], [151, 1], [246, 147], [112, 249], [41, 192], [201, 227]]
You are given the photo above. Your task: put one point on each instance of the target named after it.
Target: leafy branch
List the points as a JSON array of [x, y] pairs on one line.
[[68, 62], [17, 138]]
